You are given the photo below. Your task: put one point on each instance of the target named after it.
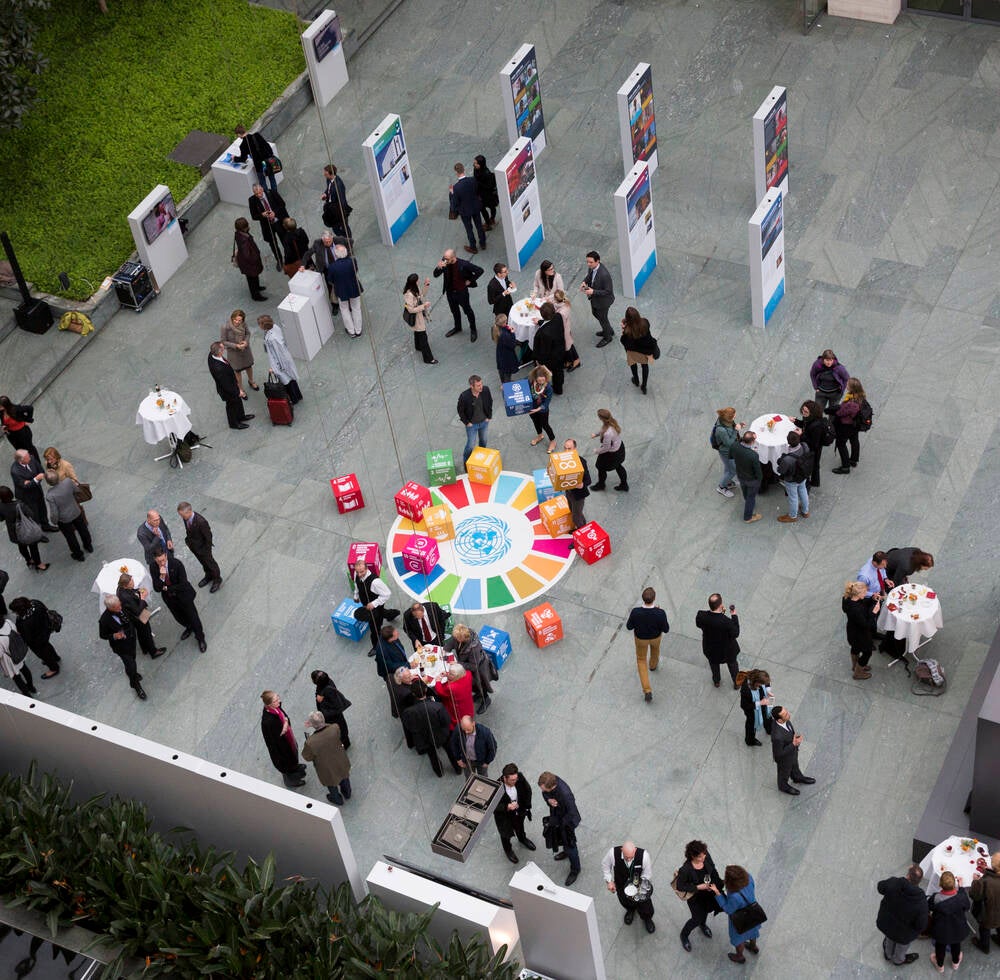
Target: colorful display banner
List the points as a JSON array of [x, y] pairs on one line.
[[520, 204], [636, 118], [389, 174], [770, 143], [636, 231], [767, 257], [522, 98]]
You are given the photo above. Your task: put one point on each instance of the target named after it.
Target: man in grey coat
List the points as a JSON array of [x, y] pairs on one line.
[[325, 751], [68, 515]]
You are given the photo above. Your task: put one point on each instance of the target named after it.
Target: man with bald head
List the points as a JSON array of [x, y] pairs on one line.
[[628, 873], [459, 277], [473, 746], [153, 533]]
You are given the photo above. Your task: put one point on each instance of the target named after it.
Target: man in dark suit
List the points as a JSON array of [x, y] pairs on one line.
[[153, 533], [227, 386], [459, 277], [171, 581], [198, 538], [424, 622], [27, 478], [785, 751], [513, 809], [342, 277], [718, 637], [254, 145], [336, 210], [269, 210], [498, 290], [427, 724], [601, 292], [115, 627], [321, 253], [648, 623], [564, 818], [463, 196], [134, 604]]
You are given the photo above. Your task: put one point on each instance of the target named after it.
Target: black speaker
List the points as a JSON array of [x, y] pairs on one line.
[[35, 317]]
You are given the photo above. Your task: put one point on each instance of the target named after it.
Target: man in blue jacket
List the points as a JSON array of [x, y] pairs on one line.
[[473, 746], [563, 819], [342, 275], [464, 200]]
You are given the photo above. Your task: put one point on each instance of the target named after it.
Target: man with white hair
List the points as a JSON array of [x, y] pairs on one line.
[[342, 275], [117, 629], [628, 873], [325, 751], [27, 477]]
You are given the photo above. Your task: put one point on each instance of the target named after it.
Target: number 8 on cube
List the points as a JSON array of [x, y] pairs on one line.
[[566, 470]]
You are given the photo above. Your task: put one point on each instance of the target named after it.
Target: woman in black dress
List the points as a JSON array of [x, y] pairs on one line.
[[332, 703], [489, 197], [861, 611], [696, 876]]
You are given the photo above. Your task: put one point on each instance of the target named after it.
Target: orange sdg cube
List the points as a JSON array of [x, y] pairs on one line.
[[439, 523], [484, 466], [543, 625], [555, 516], [566, 470]]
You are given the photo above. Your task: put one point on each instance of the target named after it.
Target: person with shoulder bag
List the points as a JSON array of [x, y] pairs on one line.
[[745, 915], [13, 662], [416, 313], [246, 258], [794, 468], [36, 623], [12, 516]]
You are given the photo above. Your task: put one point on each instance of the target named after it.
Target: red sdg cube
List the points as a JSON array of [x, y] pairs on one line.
[[368, 552], [591, 542], [411, 501], [543, 625], [347, 493]]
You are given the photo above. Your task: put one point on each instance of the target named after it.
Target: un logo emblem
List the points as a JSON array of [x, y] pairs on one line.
[[482, 540]]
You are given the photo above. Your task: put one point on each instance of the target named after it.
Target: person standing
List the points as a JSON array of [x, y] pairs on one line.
[[489, 196], [749, 473], [198, 538], [845, 425], [14, 660], [540, 379], [564, 818], [4, 579], [985, 895], [498, 290], [325, 751], [171, 581], [27, 476], [29, 549], [794, 468], [227, 386], [254, 146], [135, 607], [902, 915], [416, 306], [829, 379], [425, 622], [389, 657], [611, 451], [948, 924], [463, 196], [336, 210], [785, 751], [331, 703], [640, 345], [68, 515], [861, 611], [875, 576], [464, 643], [115, 627], [279, 738], [427, 723], [153, 533], [648, 623], [628, 867], [57, 466], [246, 258], [579, 494], [600, 290], [473, 746], [512, 810], [561, 302], [342, 275], [695, 877], [546, 282], [459, 277], [372, 593], [740, 893], [755, 702], [14, 419], [549, 345], [279, 358], [475, 410], [718, 637], [36, 630], [235, 338], [901, 563], [455, 692], [725, 432], [508, 358], [813, 425], [269, 210], [296, 246]]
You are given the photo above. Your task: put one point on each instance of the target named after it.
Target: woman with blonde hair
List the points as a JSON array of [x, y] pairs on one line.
[[611, 451], [469, 653], [861, 611], [540, 380], [235, 338], [845, 425], [561, 302], [61, 468]]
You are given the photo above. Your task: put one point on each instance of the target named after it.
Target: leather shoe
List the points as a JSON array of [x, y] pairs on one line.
[[471, 249], [913, 957], [527, 844], [561, 856], [202, 646], [512, 857], [804, 780], [240, 425], [140, 692], [473, 336], [216, 586], [686, 943], [790, 790], [629, 916], [603, 342], [648, 923], [78, 557], [571, 877], [204, 581], [649, 696], [246, 418], [705, 931], [756, 741], [737, 959], [453, 331], [157, 653], [186, 633]]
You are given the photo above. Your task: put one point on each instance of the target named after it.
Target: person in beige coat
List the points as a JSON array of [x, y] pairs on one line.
[[325, 751], [416, 305], [236, 339]]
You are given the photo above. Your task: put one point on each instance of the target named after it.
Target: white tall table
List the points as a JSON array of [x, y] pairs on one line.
[[165, 415], [106, 582], [772, 442], [911, 612], [522, 317], [235, 181]]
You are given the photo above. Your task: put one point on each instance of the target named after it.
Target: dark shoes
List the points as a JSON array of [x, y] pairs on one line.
[[484, 704], [204, 581], [842, 470], [248, 416], [240, 425], [139, 691], [202, 646], [157, 653], [623, 487], [912, 958], [603, 342], [790, 790], [527, 844], [571, 877], [597, 486], [705, 931], [561, 856], [512, 857], [78, 557], [753, 947], [473, 336], [453, 331], [648, 696], [754, 742], [804, 780], [216, 585], [736, 958], [686, 943], [629, 916], [648, 923], [471, 249], [186, 633]]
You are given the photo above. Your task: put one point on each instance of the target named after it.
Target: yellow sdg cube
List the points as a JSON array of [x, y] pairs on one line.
[[555, 516], [439, 524], [484, 466], [566, 470]]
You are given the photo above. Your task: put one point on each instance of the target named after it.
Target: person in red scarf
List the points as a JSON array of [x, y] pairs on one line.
[[280, 740]]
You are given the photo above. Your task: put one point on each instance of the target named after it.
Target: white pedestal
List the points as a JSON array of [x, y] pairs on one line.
[[235, 181], [324, 51], [312, 285], [167, 253], [298, 321]]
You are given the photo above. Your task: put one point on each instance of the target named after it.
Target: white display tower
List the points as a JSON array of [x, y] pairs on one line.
[[636, 231], [636, 119], [155, 217], [522, 97], [322, 44], [313, 287], [770, 144], [520, 205], [298, 322], [767, 257], [234, 181], [388, 166]]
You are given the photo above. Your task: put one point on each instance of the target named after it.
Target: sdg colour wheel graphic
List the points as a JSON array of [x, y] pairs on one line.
[[501, 556]]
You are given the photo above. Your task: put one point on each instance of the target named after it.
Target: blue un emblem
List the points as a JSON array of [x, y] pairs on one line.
[[482, 540]]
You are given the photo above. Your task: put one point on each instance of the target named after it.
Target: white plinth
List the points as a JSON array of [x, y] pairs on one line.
[[298, 321], [235, 182], [312, 285]]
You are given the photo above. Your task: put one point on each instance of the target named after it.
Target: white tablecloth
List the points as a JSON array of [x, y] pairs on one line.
[[174, 418], [962, 863], [106, 582], [431, 673], [522, 318], [901, 622], [771, 443]]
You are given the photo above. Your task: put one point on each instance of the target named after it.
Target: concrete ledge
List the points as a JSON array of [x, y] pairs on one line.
[[874, 11]]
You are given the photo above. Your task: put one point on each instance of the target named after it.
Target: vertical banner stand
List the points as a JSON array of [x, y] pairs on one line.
[[388, 166], [636, 231], [167, 252], [522, 98], [636, 119], [767, 257], [770, 144], [322, 44], [520, 205]]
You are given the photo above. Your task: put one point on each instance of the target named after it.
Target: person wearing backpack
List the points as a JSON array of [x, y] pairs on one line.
[[846, 423], [817, 431], [13, 659], [794, 468], [725, 431]]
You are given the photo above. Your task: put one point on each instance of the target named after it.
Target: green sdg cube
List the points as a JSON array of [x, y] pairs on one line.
[[440, 467]]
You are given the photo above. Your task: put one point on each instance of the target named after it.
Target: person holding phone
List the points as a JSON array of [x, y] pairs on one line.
[[718, 637]]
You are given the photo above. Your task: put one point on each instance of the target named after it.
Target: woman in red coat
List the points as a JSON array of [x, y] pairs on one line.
[[455, 693], [246, 258]]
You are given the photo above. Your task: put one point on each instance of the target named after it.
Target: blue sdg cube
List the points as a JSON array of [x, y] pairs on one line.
[[543, 485], [496, 643], [344, 622], [517, 399]]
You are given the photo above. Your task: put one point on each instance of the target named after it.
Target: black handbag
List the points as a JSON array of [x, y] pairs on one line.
[[409, 317], [55, 621], [273, 388], [748, 917]]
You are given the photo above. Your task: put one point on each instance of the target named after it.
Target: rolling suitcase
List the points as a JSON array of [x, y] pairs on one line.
[[280, 410]]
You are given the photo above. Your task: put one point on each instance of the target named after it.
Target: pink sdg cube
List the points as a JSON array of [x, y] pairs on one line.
[[366, 551], [420, 554], [591, 542], [411, 501], [347, 493]]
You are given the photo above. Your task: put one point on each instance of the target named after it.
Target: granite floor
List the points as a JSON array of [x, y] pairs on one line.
[[891, 221]]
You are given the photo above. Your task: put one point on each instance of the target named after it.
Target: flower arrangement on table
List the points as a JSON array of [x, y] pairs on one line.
[[123, 568], [771, 422]]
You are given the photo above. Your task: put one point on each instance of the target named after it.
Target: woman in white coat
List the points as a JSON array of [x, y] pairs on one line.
[[279, 358]]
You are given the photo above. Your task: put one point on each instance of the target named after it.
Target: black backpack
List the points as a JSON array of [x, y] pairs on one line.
[[863, 420], [827, 432], [712, 441], [803, 465]]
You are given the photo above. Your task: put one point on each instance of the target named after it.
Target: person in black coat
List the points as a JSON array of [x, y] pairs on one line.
[[27, 478], [296, 246], [336, 210], [563, 819], [549, 345], [901, 563], [755, 701], [459, 277], [718, 637], [512, 810], [134, 603], [489, 196], [861, 611], [279, 738], [812, 425], [578, 495], [331, 703], [227, 386], [463, 197], [4, 579], [698, 865], [902, 915], [8, 514], [425, 622], [508, 358], [198, 537], [498, 290], [171, 581], [785, 742], [949, 926], [429, 727], [269, 211], [115, 627], [33, 624]]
